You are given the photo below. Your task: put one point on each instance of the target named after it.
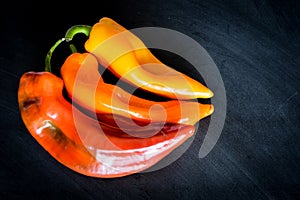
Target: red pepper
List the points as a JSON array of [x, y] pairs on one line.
[[76, 141]]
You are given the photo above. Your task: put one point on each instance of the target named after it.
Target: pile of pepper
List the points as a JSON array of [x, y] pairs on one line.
[[106, 131]]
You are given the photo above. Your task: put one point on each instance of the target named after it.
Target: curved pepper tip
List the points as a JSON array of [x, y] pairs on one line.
[[210, 94], [212, 109], [199, 94]]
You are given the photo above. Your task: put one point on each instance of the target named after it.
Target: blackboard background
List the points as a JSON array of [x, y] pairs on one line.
[[255, 45]]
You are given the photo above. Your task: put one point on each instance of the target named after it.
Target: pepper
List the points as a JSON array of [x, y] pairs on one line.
[[78, 142], [123, 53], [87, 89], [97, 147]]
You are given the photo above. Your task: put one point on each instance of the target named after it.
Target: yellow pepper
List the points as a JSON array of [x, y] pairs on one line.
[[128, 58]]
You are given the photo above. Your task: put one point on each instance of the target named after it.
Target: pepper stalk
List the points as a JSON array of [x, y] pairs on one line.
[[71, 32]]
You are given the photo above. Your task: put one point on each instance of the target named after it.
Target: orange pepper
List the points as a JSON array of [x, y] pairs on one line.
[[127, 57], [65, 133], [85, 86]]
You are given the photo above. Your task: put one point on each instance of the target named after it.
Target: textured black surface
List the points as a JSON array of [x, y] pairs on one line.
[[256, 46]]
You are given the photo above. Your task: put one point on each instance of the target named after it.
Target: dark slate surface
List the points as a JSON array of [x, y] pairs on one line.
[[255, 45]]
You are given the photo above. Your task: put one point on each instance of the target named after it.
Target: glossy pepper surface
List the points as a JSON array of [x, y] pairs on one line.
[[127, 57], [78, 142], [87, 89]]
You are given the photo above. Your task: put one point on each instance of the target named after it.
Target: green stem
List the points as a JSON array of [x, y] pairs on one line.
[[49, 55], [71, 32], [73, 48]]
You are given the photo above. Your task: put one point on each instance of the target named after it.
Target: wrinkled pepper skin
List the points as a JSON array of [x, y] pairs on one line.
[[127, 57], [86, 87], [65, 133]]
